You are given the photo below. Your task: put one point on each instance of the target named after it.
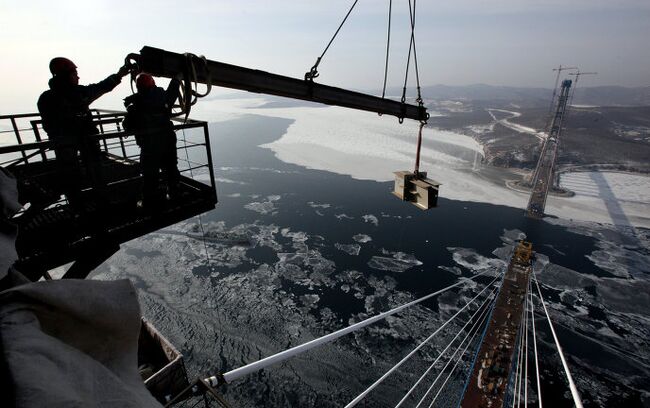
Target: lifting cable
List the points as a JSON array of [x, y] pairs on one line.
[[412, 47], [390, 12], [189, 165], [313, 72], [415, 57], [189, 96]]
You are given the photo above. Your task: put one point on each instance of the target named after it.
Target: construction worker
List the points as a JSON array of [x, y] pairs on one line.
[[68, 122], [149, 113]]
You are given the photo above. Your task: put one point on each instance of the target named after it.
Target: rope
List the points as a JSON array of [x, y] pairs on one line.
[[417, 153], [188, 96], [359, 397], [532, 318], [458, 360], [471, 319], [281, 356], [574, 391], [390, 12], [313, 72], [205, 244]]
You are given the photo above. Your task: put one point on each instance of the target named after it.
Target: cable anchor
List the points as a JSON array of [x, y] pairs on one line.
[[313, 72]]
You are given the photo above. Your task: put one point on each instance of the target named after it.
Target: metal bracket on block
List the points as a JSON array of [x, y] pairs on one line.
[[417, 189]]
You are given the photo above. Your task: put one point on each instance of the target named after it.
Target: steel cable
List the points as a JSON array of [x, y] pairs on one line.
[[390, 12], [458, 360], [359, 397], [574, 390], [313, 72], [283, 355], [471, 319]]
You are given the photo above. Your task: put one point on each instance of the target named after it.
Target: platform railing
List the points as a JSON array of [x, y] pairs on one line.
[[23, 142]]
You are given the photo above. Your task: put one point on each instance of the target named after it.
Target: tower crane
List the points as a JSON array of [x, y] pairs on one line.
[[578, 74]]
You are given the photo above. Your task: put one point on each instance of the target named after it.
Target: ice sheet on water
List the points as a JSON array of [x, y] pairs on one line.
[[621, 251], [343, 216], [399, 262], [310, 300], [624, 186], [475, 262], [264, 207], [351, 249], [451, 269], [228, 181], [318, 138], [362, 238], [481, 129], [371, 219], [318, 205], [512, 236], [264, 235]]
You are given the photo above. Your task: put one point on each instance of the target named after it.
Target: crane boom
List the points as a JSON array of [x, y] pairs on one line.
[[168, 64]]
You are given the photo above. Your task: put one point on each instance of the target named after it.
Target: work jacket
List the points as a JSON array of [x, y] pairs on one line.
[[149, 113], [65, 108]]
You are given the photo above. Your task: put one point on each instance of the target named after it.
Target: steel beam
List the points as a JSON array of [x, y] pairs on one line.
[[169, 64]]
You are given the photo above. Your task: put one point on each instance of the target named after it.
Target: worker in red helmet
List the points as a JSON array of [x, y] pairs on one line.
[[68, 122], [149, 113]]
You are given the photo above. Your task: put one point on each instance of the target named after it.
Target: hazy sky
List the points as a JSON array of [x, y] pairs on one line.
[[499, 42]]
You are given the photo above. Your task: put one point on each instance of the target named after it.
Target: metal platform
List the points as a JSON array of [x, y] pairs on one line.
[[53, 233]]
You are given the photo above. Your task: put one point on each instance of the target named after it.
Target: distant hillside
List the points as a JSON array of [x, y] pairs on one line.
[[527, 97], [597, 95], [613, 96]]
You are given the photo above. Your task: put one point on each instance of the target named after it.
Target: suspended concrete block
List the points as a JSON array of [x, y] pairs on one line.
[[417, 189]]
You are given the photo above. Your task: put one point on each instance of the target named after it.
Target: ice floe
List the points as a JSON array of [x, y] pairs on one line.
[[264, 207], [317, 205], [351, 249], [475, 262], [399, 262], [362, 238], [371, 219]]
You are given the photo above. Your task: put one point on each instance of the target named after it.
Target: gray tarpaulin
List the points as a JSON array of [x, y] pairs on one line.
[[67, 343], [8, 207], [73, 343]]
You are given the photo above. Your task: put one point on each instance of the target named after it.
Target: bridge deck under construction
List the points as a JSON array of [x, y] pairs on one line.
[[543, 176], [489, 379]]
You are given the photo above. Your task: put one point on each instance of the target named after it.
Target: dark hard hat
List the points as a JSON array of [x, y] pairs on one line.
[[60, 65], [144, 81]]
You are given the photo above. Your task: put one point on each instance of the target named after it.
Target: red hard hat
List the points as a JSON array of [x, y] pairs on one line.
[[144, 81], [61, 65]]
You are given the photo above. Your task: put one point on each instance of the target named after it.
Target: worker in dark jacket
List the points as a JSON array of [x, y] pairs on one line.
[[149, 113], [68, 122]]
